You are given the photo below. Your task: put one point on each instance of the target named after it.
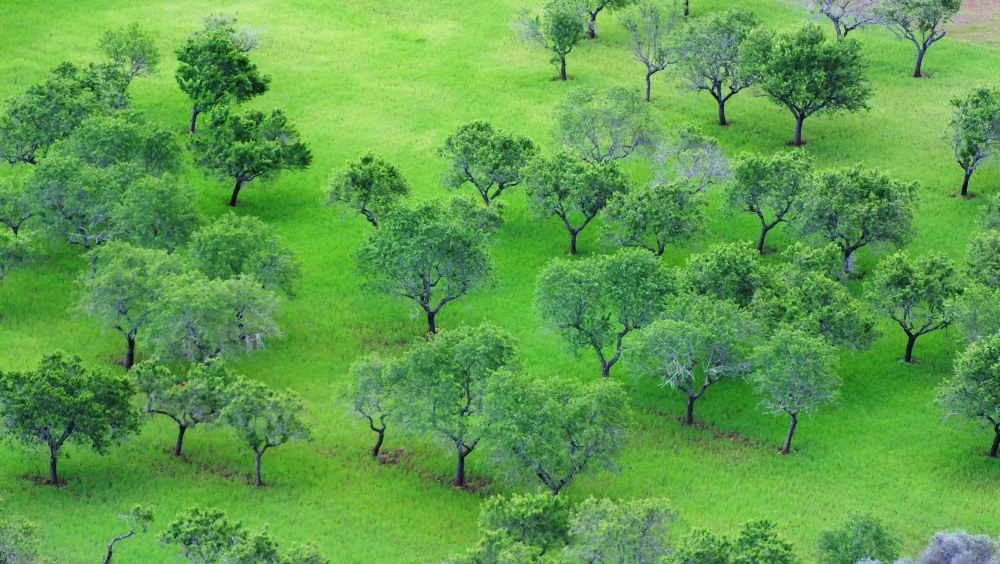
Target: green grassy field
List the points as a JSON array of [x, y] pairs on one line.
[[398, 76]]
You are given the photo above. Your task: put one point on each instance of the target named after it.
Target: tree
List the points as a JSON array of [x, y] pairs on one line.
[[984, 258], [561, 185], [158, 213], [808, 74], [234, 245], [78, 201], [919, 22], [861, 537], [263, 418], [370, 390], [602, 126], [795, 372], [710, 50], [196, 399], [121, 290], [138, 517], [959, 547], [522, 528], [976, 311], [431, 254], [914, 293], [13, 250], [847, 15], [16, 205], [199, 319], [18, 540], [725, 271], [132, 48], [573, 428], [594, 7], [125, 143], [214, 70], [650, 28], [699, 342], [854, 207], [974, 391], [757, 541], [770, 187], [248, 147], [207, 535], [691, 155], [654, 215], [489, 159], [62, 401], [559, 29], [596, 302], [605, 530], [369, 185], [443, 384], [975, 130]]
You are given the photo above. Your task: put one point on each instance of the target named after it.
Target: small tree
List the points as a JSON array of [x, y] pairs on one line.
[[975, 130], [710, 55], [369, 185], [139, 518], [603, 126], [215, 71], [976, 311], [79, 202], [650, 28], [846, 15], [597, 302], [919, 22], [604, 530], [18, 540], [158, 213], [808, 74], [369, 393], [561, 185], [795, 372], [700, 342], [691, 155], [194, 400], [652, 216], [16, 205], [121, 290], [959, 547], [490, 159], [974, 391], [984, 258], [263, 418], [125, 143], [855, 207], [13, 250], [725, 271], [131, 48], [861, 538], [204, 535], [62, 401], [520, 528], [431, 254], [770, 187], [573, 428], [757, 542], [248, 147], [914, 293], [443, 384], [559, 29]]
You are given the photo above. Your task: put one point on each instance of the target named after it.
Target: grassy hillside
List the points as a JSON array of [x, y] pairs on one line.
[[398, 76]]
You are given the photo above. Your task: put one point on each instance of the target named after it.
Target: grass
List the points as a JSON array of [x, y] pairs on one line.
[[397, 77]]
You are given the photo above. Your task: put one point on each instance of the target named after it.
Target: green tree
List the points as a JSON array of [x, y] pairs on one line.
[[855, 207], [62, 401], [196, 399], [432, 253], [770, 187], [596, 302], [689, 154], [654, 215], [158, 213], [559, 29], [984, 258], [443, 385], [263, 418], [808, 74], [131, 48], [138, 517], [976, 311], [561, 185], [248, 147], [573, 428], [725, 271], [914, 293], [214, 71], [699, 342], [862, 538], [204, 536], [795, 372], [604, 125], [126, 143], [975, 130], [989, 214], [650, 27], [13, 250], [369, 185], [234, 245], [79, 202], [757, 541], [370, 391], [18, 540], [710, 55], [605, 530], [919, 22], [488, 158], [121, 290], [16, 204], [974, 391], [593, 8], [523, 528]]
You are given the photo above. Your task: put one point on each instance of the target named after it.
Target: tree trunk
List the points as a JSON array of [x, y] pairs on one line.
[[722, 113], [847, 261], [378, 443], [689, 420], [687, 8], [760, 240], [791, 431], [605, 369], [562, 68], [996, 443], [259, 482], [920, 62], [592, 26], [181, 429], [130, 353], [649, 85], [460, 467], [431, 326], [236, 193], [798, 131], [910, 341], [572, 242], [194, 119], [107, 557], [53, 460], [965, 183]]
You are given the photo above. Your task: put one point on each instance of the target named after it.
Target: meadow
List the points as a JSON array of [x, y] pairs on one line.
[[397, 77]]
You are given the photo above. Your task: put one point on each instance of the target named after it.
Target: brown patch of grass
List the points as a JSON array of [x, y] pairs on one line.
[[978, 21]]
